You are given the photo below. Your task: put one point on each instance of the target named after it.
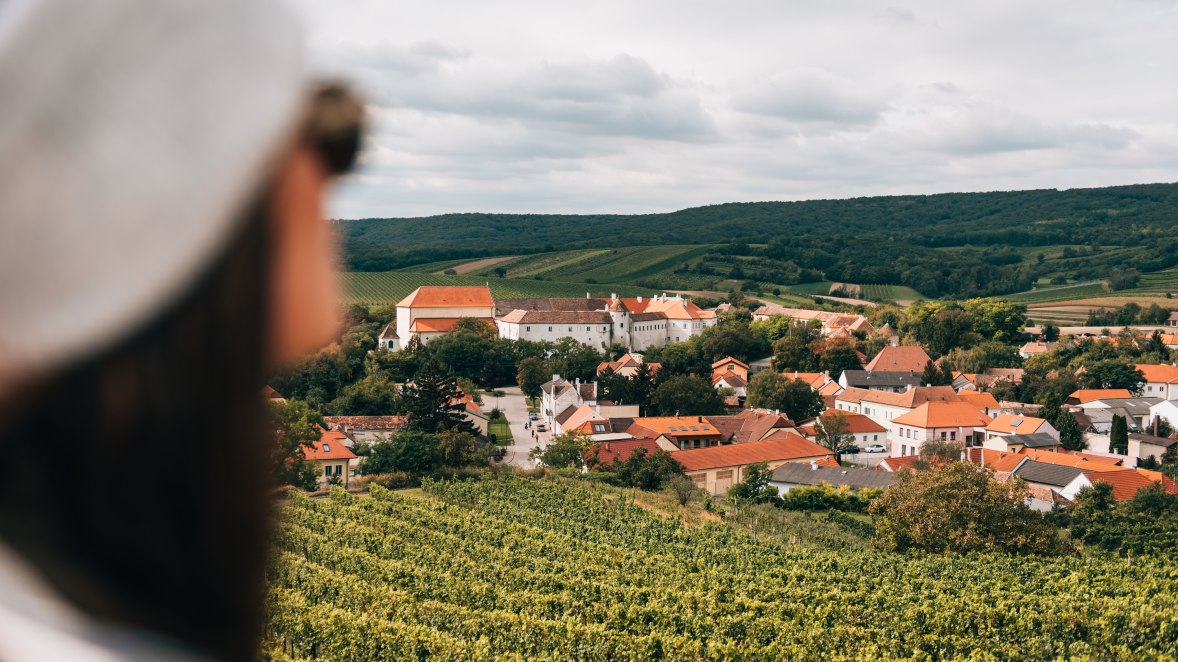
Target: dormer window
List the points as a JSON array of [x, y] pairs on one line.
[[326, 448]]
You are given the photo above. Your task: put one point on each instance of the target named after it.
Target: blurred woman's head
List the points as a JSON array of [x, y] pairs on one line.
[[164, 248]]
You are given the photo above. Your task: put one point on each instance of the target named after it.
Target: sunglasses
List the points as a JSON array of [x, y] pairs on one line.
[[335, 126]]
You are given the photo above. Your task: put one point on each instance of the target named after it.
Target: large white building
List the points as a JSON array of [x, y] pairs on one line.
[[636, 323], [431, 310]]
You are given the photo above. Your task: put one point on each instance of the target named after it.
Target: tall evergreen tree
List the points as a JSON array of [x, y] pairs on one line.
[[1070, 434], [1119, 436], [430, 402]]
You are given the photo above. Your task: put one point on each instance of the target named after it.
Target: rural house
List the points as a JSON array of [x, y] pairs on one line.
[[718, 468], [433, 310]]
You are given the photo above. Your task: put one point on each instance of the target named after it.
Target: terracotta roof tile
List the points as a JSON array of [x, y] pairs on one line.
[[1085, 396], [329, 447], [444, 296], [791, 447], [901, 358], [944, 415], [1015, 424]]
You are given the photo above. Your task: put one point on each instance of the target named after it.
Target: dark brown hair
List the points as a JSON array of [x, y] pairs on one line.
[[137, 481]]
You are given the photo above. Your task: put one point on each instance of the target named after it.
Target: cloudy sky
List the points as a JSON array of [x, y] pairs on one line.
[[658, 105]]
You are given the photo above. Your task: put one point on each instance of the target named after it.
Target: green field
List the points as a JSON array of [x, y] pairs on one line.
[[1060, 293], [517, 568], [876, 292], [435, 267], [1154, 284], [382, 289]]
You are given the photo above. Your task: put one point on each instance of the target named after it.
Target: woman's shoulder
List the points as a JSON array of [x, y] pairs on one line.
[[38, 624]]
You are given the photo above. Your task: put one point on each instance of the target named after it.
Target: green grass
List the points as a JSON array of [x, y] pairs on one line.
[[821, 287], [389, 287], [501, 430]]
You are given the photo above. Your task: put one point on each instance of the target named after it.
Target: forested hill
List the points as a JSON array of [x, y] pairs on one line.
[[868, 240]]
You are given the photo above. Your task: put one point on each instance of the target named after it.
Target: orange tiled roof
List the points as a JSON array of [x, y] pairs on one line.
[[609, 452], [1155, 373], [439, 324], [785, 447], [727, 360], [979, 398], [902, 463], [1015, 424], [1073, 459], [1125, 482], [445, 296], [944, 415], [910, 358], [909, 399], [856, 423], [675, 426], [329, 447], [1088, 395]]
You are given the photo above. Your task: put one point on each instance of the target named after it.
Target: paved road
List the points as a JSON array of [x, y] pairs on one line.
[[513, 405]]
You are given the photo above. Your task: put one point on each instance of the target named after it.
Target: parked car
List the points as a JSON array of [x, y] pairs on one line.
[[876, 448], [533, 416], [851, 450], [541, 427]]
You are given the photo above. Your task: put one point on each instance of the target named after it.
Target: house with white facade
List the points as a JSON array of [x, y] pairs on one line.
[[635, 323], [1005, 425], [433, 310], [884, 407], [941, 421], [1161, 380], [559, 395]]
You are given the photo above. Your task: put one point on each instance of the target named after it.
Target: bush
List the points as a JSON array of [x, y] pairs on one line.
[[959, 507], [825, 497]]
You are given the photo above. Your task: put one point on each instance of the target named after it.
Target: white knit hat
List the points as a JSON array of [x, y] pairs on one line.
[[132, 134]]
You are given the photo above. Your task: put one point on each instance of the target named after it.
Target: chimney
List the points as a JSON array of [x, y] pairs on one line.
[[639, 299], [813, 465], [613, 296], [895, 342], [699, 419], [555, 377]]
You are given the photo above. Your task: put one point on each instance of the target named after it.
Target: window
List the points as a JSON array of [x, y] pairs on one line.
[[875, 437], [339, 469], [943, 435], [528, 328], [903, 449], [326, 448], [953, 436], [550, 329], [326, 470]]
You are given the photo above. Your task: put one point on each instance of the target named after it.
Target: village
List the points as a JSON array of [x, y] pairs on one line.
[[896, 410]]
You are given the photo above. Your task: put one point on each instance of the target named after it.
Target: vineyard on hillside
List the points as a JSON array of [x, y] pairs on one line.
[[382, 289], [546, 569], [1060, 293]]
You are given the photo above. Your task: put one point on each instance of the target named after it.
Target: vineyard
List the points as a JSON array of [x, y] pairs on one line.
[[1060, 293], [382, 289], [525, 568]]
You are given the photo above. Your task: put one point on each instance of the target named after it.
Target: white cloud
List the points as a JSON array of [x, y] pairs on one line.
[[628, 107]]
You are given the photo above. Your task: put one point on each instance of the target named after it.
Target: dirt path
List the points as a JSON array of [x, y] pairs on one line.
[[479, 265]]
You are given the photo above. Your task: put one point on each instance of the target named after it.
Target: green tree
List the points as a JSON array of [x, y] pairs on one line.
[[935, 375], [430, 402], [296, 427], [1070, 434], [639, 389], [647, 471], [409, 451], [478, 326], [755, 487], [959, 507], [530, 376], [687, 395], [566, 450], [374, 395], [1118, 436], [996, 319], [834, 431], [840, 357], [455, 448], [794, 397], [1113, 373]]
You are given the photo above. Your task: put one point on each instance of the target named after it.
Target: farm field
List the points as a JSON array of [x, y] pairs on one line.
[[382, 289], [550, 569], [890, 293], [615, 265], [1060, 293]]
